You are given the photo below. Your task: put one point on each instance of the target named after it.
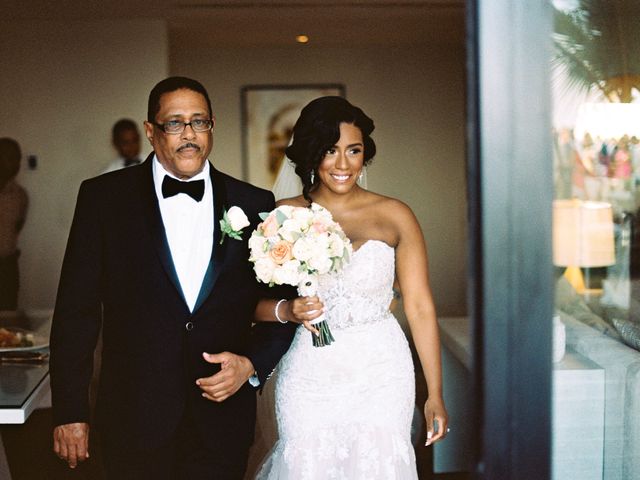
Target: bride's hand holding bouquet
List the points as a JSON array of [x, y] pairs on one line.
[[294, 246]]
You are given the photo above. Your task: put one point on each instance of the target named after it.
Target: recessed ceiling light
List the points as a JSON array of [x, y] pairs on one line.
[[302, 39]]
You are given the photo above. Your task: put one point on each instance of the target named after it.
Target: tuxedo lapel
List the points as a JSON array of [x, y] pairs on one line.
[[153, 218], [218, 250]]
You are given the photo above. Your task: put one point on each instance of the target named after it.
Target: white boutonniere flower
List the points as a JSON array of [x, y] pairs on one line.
[[232, 223]]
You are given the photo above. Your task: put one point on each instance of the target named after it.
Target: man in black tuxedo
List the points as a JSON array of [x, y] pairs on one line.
[[180, 358]]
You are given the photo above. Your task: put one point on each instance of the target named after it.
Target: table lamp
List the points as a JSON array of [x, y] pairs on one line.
[[582, 237], [607, 121]]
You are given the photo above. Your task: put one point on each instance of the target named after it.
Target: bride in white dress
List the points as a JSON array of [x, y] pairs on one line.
[[344, 411]]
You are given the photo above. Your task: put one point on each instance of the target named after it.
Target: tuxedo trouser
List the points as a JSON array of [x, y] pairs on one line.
[[184, 457]]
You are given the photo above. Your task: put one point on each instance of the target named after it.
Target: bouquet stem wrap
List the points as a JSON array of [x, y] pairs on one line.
[[324, 337]]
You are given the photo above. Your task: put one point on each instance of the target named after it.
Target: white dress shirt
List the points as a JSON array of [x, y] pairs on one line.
[[189, 228]]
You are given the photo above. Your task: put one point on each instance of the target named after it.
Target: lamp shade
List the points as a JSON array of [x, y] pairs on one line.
[[607, 121], [582, 234]]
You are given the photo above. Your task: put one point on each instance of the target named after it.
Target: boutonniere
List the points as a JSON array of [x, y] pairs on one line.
[[232, 223]]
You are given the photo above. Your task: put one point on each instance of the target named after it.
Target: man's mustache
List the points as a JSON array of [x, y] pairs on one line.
[[188, 145]]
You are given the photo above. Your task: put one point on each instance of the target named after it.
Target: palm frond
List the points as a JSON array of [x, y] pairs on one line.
[[598, 42]]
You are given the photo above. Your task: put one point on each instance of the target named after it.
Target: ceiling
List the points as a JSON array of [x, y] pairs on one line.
[[270, 22]]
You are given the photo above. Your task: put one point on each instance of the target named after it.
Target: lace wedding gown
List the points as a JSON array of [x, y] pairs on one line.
[[344, 411]]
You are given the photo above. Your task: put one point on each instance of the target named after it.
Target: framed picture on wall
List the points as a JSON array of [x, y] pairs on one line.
[[268, 115]]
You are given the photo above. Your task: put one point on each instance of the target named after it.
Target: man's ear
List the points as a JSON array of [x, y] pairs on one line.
[[148, 131]]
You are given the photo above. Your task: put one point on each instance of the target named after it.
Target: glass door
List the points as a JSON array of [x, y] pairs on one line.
[[596, 190]]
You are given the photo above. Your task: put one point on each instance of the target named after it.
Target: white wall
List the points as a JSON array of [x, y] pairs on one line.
[[63, 85], [416, 98]]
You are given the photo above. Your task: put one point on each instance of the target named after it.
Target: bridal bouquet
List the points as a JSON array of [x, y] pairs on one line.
[[294, 246]]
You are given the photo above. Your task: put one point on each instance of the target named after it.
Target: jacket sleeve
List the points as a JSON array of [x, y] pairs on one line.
[[78, 313], [269, 341]]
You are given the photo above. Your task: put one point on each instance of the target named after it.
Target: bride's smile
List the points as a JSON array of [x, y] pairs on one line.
[[343, 162]]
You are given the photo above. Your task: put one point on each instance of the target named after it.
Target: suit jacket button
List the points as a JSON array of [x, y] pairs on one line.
[[189, 326]]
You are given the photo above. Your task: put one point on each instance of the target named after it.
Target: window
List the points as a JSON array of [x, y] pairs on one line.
[[596, 240]]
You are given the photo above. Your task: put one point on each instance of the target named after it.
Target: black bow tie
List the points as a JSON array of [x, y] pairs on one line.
[[171, 187]]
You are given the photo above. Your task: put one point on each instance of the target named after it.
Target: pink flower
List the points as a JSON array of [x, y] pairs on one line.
[[270, 226], [319, 227]]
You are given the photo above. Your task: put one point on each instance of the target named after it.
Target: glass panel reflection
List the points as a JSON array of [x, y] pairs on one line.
[[596, 239]]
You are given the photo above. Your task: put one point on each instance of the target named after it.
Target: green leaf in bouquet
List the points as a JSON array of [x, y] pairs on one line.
[[295, 236], [281, 217], [263, 215], [336, 263]]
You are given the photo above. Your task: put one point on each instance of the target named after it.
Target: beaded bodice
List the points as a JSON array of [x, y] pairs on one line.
[[361, 293]]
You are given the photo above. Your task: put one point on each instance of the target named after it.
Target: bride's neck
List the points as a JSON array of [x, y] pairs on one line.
[[331, 200]]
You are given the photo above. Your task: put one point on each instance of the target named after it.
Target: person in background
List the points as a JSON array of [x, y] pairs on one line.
[[13, 212], [125, 138]]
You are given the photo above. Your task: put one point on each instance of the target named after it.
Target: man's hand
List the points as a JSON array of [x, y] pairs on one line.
[[71, 442], [235, 371]]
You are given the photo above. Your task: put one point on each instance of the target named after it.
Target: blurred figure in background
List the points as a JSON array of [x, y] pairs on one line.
[[13, 211], [125, 138]]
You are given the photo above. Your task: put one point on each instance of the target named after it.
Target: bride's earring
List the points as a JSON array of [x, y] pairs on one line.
[[312, 176], [362, 178]]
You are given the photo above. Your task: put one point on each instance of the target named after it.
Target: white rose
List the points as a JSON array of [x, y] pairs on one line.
[[264, 269], [288, 273], [320, 244], [336, 245], [322, 263], [237, 219], [257, 246], [286, 210], [302, 249], [302, 214], [321, 213], [291, 229]]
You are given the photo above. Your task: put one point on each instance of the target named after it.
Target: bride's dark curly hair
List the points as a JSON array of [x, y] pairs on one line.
[[318, 129]]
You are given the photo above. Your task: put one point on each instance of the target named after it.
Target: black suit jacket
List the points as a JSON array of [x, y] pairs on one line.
[[118, 274]]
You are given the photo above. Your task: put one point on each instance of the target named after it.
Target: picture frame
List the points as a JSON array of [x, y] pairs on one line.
[[268, 115]]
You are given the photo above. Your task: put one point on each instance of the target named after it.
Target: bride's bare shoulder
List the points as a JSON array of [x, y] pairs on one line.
[[391, 209], [389, 204], [298, 201]]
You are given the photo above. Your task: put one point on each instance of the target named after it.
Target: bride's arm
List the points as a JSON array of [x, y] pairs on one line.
[[413, 277], [299, 310]]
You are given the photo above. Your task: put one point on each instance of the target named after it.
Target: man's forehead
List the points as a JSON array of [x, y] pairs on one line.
[[183, 102]]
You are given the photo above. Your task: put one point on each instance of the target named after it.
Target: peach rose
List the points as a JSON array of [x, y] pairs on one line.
[[269, 226], [280, 252]]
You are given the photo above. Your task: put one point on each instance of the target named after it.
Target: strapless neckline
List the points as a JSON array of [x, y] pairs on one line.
[[372, 241]]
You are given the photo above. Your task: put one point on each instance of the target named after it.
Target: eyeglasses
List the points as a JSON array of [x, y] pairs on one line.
[[175, 127]]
